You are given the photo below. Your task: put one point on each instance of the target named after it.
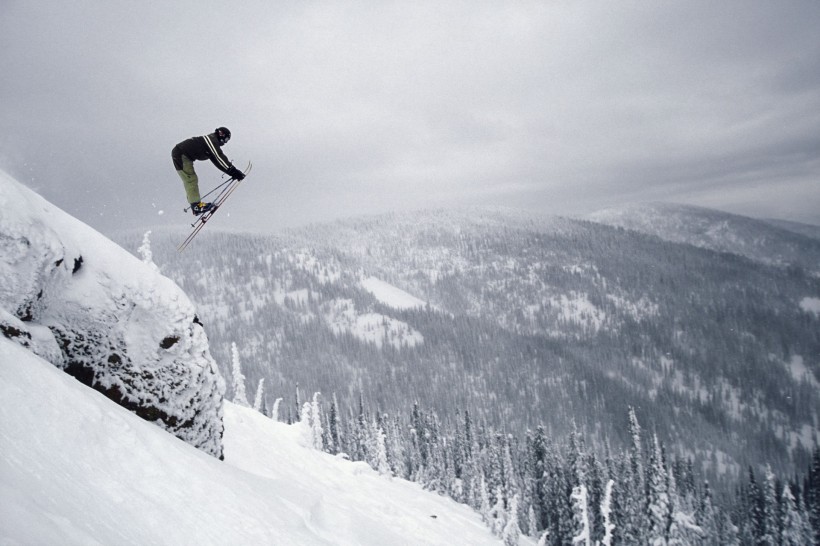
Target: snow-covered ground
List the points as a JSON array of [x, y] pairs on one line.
[[391, 295], [76, 468], [342, 316]]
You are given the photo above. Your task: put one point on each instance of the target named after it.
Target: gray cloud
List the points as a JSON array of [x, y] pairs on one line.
[[353, 107]]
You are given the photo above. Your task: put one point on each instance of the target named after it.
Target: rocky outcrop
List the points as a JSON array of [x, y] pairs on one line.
[[115, 323]]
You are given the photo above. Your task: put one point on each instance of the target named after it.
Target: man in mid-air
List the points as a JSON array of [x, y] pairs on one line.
[[198, 149]]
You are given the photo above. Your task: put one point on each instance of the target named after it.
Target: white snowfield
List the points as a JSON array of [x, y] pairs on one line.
[[391, 295], [75, 468]]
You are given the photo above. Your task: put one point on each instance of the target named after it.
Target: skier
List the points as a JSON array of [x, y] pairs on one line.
[[197, 149]]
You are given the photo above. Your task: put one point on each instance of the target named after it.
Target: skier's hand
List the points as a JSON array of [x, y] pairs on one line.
[[233, 172]]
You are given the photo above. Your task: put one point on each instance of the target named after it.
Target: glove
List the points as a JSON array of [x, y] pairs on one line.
[[233, 172]]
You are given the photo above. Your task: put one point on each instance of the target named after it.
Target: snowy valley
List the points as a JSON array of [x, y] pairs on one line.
[[524, 321]]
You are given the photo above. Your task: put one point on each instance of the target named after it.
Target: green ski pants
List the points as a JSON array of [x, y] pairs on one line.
[[189, 180]]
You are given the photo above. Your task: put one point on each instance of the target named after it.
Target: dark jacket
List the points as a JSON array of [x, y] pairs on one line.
[[201, 148]]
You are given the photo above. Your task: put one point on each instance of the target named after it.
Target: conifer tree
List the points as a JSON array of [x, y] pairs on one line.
[[794, 528], [361, 434], [813, 494], [382, 465], [770, 509], [512, 531], [239, 396], [497, 514], [580, 505], [682, 529], [484, 499], [538, 462], [706, 517], [634, 497], [259, 400], [274, 414], [729, 534], [317, 432], [298, 404], [532, 522], [606, 512], [755, 516], [658, 508], [335, 441]]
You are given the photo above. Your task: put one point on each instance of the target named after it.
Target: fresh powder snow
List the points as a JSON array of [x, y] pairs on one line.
[[75, 468]]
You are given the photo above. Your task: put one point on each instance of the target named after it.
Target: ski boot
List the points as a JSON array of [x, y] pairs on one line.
[[201, 208]]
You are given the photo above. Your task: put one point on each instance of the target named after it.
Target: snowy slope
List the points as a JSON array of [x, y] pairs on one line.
[[77, 469], [391, 295], [73, 297]]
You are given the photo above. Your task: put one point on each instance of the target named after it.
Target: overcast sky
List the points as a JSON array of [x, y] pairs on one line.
[[349, 108]]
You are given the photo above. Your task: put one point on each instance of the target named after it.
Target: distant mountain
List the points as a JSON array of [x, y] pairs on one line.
[[808, 230], [525, 321], [771, 242]]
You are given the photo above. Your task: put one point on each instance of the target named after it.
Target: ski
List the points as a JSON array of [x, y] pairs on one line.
[[225, 190]]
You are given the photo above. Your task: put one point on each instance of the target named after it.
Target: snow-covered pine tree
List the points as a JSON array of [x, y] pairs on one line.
[[813, 494], [606, 512], [316, 422], [580, 510], [512, 531], [335, 443], [532, 522], [633, 499], [298, 404], [770, 511], [510, 476], [658, 508], [145, 251], [706, 517], [794, 528], [498, 515], [361, 434], [683, 531], [259, 399], [274, 413], [239, 396], [382, 466], [484, 500], [805, 519], [539, 451], [729, 532]]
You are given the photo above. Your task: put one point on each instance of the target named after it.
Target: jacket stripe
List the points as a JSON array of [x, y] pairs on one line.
[[217, 154]]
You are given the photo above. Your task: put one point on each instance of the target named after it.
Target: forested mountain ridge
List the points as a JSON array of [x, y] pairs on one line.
[[529, 321], [768, 241]]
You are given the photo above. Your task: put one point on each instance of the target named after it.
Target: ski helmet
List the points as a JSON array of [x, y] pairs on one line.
[[223, 135]]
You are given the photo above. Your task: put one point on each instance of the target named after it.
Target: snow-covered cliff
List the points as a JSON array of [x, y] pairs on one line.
[[78, 300]]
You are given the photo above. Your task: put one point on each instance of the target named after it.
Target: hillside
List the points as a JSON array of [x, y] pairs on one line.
[[766, 241], [525, 321], [77, 469]]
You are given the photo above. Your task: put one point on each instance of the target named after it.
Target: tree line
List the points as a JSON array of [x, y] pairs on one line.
[[563, 492]]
